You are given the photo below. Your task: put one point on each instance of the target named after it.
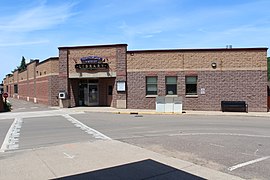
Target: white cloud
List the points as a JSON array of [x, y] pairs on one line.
[[36, 18], [24, 43]]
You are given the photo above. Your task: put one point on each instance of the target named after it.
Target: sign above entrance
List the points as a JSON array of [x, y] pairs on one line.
[[92, 60], [92, 63]]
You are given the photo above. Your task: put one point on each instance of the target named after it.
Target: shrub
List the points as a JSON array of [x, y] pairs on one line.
[[7, 106]]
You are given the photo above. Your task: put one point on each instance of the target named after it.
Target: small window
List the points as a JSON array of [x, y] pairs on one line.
[[151, 85], [191, 85], [171, 85], [7, 88], [16, 88]]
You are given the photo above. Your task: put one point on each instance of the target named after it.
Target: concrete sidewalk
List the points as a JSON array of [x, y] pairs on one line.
[[152, 111], [108, 159]]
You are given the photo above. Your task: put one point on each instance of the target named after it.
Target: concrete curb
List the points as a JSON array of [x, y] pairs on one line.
[[201, 113], [145, 113]]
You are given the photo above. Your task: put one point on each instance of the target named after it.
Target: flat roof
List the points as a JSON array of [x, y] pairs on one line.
[[188, 50], [91, 46]]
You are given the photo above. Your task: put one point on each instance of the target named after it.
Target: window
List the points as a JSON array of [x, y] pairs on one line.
[[16, 88], [191, 85], [151, 85], [171, 85], [7, 88]]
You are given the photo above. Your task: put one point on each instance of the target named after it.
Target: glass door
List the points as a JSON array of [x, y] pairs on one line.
[[93, 95]]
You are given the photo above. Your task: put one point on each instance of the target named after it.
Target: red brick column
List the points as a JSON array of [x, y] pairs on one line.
[[63, 74], [121, 75]]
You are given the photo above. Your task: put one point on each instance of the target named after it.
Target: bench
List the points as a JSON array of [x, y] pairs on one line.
[[234, 106]]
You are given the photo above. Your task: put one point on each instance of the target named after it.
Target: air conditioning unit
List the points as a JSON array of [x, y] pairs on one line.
[[62, 95]]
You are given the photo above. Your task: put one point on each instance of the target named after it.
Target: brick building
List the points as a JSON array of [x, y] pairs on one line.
[[110, 75]]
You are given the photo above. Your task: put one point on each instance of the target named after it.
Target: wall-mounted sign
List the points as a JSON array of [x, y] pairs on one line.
[[92, 59], [121, 86], [202, 90], [92, 66], [92, 63]]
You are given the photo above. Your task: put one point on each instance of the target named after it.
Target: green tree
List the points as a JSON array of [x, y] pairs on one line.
[[23, 64]]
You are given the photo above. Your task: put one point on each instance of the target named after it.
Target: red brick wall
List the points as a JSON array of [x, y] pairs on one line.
[[42, 90], [53, 82], [38, 82], [23, 90], [249, 86], [74, 92], [31, 89], [103, 91]]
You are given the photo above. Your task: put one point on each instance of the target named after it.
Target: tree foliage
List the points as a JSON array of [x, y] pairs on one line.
[[23, 64]]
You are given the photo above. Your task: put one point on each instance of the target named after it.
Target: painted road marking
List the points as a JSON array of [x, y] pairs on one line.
[[68, 156], [21, 108], [216, 145], [33, 107], [223, 134], [85, 128], [37, 114], [247, 163], [11, 141], [255, 153]]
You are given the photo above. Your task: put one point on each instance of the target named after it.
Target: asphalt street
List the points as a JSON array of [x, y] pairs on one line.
[[238, 145]]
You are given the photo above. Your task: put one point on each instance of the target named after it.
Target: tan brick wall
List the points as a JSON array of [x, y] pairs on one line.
[[55, 67], [105, 52], [69, 57], [23, 76], [31, 68], [16, 76], [47, 68], [240, 76], [197, 60]]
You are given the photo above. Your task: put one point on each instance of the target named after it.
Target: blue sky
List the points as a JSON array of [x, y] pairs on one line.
[[35, 28]]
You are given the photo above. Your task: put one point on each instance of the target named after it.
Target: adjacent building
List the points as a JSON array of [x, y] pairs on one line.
[[111, 75]]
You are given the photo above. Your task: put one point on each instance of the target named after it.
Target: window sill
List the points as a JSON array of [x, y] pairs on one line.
[[151, 96], [174, 95], [191, 96]]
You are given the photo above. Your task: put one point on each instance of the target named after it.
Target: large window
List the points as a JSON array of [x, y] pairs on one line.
[[191, 85], [151, 85], [171, 85], [16, 88]]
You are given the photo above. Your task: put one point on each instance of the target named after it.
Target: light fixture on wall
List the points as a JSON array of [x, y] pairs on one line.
[[214, 65]]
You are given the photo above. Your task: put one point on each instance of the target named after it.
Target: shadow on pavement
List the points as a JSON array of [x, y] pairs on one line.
[[146, 169]]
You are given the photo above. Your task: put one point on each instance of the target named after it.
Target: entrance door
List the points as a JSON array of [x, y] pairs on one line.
[[93, 99]]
